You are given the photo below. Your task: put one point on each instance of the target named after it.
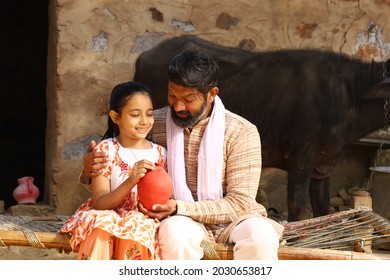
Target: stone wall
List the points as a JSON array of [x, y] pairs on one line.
[[93, 46]]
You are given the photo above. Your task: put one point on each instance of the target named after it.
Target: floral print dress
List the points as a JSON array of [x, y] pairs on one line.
[[126, 222]]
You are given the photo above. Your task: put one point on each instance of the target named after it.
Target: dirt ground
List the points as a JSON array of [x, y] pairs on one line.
[[30, 253]]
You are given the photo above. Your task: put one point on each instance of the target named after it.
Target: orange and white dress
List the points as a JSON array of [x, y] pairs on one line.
[[124, 233]]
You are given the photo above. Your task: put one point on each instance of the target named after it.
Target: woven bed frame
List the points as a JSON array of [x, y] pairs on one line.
[[345, 235]]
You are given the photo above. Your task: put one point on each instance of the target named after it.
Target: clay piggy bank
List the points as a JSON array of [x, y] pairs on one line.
[[155, 187]]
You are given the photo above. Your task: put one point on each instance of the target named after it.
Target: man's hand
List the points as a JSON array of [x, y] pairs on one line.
[[160, 211], [93, 163]]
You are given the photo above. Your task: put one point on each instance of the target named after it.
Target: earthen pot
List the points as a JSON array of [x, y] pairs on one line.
[[155, 187], [26, 192]]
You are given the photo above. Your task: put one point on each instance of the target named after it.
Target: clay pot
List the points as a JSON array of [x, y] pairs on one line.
[[155, 187], [26, 192]]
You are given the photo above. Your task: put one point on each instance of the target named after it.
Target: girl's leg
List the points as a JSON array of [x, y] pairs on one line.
[[126, 249], [97, 246]]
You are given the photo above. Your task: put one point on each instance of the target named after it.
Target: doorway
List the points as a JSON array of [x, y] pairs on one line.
[[24, 32]]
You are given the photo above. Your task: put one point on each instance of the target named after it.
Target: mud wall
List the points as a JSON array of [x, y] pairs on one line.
[[94, 44]]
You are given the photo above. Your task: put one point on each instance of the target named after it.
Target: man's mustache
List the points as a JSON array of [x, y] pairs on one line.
[[183, 113]]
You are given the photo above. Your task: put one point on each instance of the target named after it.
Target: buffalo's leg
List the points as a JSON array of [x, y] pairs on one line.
[[319, 196], [298, 193]]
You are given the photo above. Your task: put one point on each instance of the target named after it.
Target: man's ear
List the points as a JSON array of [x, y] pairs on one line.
[[113, 116], [212, 94]]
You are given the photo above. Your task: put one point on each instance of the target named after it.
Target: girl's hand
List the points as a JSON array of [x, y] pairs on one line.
[[139, 170]]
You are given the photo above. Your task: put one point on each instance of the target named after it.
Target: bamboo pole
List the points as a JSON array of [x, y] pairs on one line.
[[48, 239], [294, 253], [61, 241]]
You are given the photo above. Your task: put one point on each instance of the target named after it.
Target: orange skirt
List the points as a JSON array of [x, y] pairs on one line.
[[124, 233], [100, 245]]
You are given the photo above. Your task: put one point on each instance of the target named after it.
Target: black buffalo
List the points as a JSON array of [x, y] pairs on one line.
[[308, 105]]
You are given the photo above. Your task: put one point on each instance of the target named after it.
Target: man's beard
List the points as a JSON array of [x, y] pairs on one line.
[[190, 120]]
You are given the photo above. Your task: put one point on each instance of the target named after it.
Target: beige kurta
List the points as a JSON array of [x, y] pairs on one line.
[[240, 177]]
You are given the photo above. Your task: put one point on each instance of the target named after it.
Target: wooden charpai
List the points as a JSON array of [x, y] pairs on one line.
[[345, 235]]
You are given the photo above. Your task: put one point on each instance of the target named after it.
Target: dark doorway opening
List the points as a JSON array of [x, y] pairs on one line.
[[24, 38]]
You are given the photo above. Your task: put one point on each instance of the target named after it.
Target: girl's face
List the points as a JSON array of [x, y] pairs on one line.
[[135, 119]]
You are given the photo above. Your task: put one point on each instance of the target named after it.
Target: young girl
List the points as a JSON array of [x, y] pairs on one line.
[[108, 225]]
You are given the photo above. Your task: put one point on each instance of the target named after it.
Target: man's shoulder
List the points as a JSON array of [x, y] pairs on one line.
[[240, 130], [159, 120], [236, 120], [158, 132], [160, 114]]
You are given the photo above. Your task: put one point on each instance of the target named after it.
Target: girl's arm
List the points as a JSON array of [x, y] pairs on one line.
[[104, 199]]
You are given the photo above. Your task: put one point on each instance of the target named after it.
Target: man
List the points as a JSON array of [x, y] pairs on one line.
[[214, 160]]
